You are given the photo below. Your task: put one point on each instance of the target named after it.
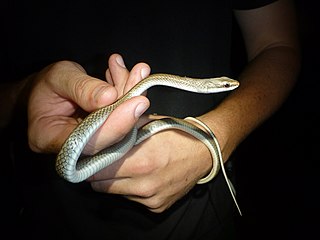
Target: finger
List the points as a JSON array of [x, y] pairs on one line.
[[58, 91], [141, 190], [109, 77], [147, 118], [122, 79], [117, 73], [138, 72], [57, 129], [141, 187], [88, 92], [113, 130]]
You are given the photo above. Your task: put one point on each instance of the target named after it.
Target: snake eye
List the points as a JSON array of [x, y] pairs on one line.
[[227, 85]]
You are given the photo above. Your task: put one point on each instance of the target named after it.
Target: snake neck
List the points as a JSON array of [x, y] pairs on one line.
[[197, 85], [162, 79]]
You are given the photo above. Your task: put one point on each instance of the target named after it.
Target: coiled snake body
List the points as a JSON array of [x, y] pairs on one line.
[[67, 164]]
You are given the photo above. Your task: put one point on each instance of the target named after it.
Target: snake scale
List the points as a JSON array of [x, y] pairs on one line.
[[68, 165]]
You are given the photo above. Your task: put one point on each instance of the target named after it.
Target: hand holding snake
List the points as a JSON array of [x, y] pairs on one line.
[[114, 180], [74, 170]]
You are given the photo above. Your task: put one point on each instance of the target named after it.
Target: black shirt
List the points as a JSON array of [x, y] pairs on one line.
[[191, 39]]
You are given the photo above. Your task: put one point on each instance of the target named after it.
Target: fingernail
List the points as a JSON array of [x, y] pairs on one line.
[[120, 61], [140, 109], [144, 72]]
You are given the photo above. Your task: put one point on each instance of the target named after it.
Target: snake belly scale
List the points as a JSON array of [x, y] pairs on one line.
[[68, 165]]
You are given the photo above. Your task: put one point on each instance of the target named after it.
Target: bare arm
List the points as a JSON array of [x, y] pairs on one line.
[[157, 176], [273, 55]]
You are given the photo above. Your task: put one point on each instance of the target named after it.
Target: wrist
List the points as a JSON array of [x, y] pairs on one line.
[[212, 145], [222, 133]]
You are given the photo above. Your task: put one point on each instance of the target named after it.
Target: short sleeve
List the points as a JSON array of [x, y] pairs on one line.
[[250, 4]]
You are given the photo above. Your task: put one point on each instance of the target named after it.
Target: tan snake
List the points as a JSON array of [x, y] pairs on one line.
[[67, 164]]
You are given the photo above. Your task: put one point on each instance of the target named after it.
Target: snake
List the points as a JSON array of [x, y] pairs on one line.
[[72, 170], [75, 168]]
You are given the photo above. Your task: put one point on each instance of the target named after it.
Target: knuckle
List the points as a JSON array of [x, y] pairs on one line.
[[145, 166], [157, 210], [147, 189], [80, 89], [120, 132], [34, 142], [34, 146], [155, 204]]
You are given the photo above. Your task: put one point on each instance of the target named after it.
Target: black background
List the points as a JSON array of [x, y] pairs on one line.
[[278, 194]]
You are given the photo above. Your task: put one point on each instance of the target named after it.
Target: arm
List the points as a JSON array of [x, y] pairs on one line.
[[273, 66], [156, 176]]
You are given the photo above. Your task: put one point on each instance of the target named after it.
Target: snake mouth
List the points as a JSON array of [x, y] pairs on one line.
[[232, 85]]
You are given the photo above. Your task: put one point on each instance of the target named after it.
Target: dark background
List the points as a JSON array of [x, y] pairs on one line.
[[278, 193]]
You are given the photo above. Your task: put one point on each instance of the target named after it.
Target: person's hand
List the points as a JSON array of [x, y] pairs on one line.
[[157, 172], [63, 94]]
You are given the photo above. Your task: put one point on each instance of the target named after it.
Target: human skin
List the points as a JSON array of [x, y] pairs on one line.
[[151, 173], [157, 176]]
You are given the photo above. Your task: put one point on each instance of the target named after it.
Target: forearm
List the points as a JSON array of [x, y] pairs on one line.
[[265, 84]]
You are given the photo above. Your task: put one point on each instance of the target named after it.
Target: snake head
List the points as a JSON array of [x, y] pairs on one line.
[[221, 84]]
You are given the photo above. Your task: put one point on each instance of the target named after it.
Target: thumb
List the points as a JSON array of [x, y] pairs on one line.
[[118, 124], [87, 92], [91, 93]]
